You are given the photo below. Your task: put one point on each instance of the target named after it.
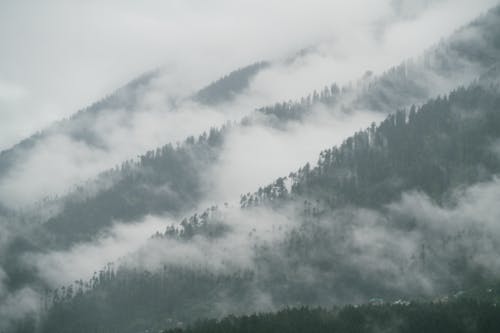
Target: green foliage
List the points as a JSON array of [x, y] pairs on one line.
[[128, 300], [296, 110], [458, 317], [318, 262], [163, 180], [445, 143], [209, 224]]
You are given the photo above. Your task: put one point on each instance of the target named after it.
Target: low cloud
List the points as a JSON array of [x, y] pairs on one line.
[[341, 51], [16, 305], [232, 251], [58, 268], [256, 155], [190, 41], [412, 247], [123, 38]]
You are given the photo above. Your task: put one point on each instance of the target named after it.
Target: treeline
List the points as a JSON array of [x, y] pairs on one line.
[[295, 110], [129, 300], [210, 224], [443, 144], [461, 316], [167, 179], [226, 88], [454, 61]]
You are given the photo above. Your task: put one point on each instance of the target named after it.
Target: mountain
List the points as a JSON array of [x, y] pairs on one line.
[[458, 60], [94, 130], [82, 125], [398, 88], [395, 211], [345, 231], [90, 141]]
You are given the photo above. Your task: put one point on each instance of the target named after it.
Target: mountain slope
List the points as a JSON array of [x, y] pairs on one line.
[[325, 255], [463, 315], [154, 186], [81, 125], [457, 60], [369, 182], [91, 141], [228, 87], [439, 70]]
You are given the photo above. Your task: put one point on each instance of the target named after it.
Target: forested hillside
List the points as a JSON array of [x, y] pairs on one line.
[[464, 315], [450, 63], [471, 51], [365, 237], [164, 180], [446, 143], [90, 141], [325, 256]]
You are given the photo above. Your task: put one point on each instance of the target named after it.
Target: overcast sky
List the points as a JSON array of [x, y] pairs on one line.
[[59, 56]]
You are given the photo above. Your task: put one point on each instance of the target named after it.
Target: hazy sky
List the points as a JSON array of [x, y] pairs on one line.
[[59, 56]]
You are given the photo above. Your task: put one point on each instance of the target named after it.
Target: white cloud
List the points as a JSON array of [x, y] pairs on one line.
[[256, 155], [66, 54], [58, 268]]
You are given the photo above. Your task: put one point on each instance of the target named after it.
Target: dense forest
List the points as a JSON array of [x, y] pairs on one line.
[[228, 87], [443, 144], [464, 315], [317, 261], [163, 180]]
